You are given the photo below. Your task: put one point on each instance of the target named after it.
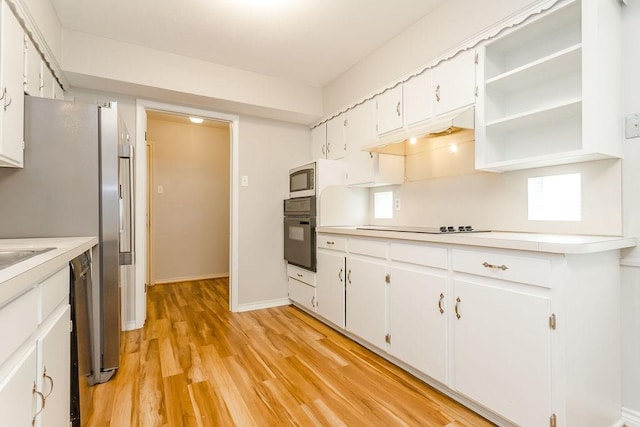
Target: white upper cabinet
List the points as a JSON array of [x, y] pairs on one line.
[[454, 84], [389, 110], [367, 168], [47, 83], [12, 87], [418, 98], [336, 142], [58, 93], [32, 68], [549, 90], [319, 142]]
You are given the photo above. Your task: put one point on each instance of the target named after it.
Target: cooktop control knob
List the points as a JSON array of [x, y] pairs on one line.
[[451, 229], [443, 229]]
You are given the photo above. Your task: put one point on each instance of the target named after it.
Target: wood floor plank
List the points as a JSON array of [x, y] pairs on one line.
[[197, 364]]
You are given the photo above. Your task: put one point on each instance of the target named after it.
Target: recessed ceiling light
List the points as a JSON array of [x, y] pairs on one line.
[[197, 120], [453, 148]]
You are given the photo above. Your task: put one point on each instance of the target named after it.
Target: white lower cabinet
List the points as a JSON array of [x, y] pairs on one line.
[[417, 320], [17, 391], [53, 374], [35, 375], [330, 286], [524, 337], [501, 349], [366, 299], [302, 287]]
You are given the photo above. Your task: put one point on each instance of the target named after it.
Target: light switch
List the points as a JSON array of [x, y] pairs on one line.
[[160, 189], [244, 180], [632, 126]]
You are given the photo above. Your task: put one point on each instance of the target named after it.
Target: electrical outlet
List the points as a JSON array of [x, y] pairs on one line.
[[160, 189], [244, 181], [396, 204], [632, 126]]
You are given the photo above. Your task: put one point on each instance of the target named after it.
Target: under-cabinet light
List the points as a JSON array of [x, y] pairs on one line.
[[196, 120]]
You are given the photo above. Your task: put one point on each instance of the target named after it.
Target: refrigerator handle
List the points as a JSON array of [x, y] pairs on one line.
[[125, 190]]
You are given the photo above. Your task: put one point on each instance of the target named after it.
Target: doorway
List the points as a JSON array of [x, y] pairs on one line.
[[142, 216], [189, 198]]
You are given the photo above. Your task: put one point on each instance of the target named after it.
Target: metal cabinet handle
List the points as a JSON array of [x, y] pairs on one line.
[[438, 93], [5, 95], [457, 307], [328, 147], [497, 267], [313, 301], [42, 399], [398, 108], [370, 154], [349, 277], [340, 275], [330, 242], [440, 303], [299, 275], [47, 377], [323, 150]]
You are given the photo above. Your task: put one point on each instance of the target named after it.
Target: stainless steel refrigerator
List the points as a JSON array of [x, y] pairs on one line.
[[77, 181]]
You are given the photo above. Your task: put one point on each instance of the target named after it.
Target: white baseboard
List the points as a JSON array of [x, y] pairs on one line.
[[630, 417], [130, 326], [263, 304], [191, 278]]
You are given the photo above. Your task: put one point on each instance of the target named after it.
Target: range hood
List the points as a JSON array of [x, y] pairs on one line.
[[398, 142]]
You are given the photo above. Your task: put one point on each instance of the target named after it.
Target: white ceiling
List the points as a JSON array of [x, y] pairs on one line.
[[304, 41]]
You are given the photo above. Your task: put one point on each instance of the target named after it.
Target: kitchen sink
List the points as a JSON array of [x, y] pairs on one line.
[[8, 257]]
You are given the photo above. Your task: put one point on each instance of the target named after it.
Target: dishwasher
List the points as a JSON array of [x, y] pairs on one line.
[[81, 369]]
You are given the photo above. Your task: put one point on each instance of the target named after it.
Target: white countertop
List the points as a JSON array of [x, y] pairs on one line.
[[552, 243], [20, 276]]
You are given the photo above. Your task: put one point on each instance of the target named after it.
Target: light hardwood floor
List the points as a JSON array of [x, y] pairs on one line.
[[197, 364]]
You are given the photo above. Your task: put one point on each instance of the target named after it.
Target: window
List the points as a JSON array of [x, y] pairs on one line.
[[555, 198], [383, 205]]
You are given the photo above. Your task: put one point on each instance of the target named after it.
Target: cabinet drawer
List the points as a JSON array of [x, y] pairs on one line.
[[419, 254], [515, 268], [329, 241], [18, 320], [305, 276], [368, 247], [302, 294], [54, 290]]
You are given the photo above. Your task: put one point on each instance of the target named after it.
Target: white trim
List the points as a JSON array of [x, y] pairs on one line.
[[191, 278], [141, 194], [630, 417], [264, 304], [130, 326], [630, 262]]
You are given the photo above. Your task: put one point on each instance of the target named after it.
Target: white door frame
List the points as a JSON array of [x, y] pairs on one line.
[[141, 189]]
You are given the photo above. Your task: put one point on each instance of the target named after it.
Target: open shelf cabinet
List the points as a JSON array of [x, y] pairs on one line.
[[549, 89]]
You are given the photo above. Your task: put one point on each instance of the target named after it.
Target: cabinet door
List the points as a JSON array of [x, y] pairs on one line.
[[32, 68], [417, 321], [418, 99], [502, 350], [330, 287], [389, 105], [53, 378], [336, 145], [47, 82], [12, 87], [302, 293], [361, 130], [319, 142], [366, 300], [58, 93], [454, 83], [16, 392]]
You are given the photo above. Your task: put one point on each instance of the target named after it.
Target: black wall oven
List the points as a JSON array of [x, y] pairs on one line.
[[300, 232]]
